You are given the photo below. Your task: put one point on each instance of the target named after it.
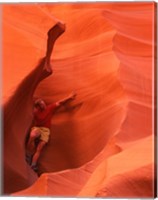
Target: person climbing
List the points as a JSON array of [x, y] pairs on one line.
[[40, 131], [43, 113]]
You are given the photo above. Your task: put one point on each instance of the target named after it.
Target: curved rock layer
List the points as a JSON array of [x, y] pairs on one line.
[[103, 139]]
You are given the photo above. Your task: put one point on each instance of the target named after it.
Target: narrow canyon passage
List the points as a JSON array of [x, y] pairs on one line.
[[106, 56]]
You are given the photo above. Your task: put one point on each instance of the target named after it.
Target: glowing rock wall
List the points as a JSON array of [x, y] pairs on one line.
[[106, 56]]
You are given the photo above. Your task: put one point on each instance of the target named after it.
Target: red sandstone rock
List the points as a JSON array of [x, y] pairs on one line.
[[105, 137]]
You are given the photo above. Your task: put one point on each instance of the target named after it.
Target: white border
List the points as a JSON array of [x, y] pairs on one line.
[[52, 1]]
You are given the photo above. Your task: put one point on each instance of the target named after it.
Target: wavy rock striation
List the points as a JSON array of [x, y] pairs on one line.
[[102, 143]]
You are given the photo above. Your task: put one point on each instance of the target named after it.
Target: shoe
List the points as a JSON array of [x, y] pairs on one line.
[[28, 159], [34, 167]]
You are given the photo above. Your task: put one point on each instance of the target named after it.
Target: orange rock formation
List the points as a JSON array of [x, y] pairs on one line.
[[102, 144]]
